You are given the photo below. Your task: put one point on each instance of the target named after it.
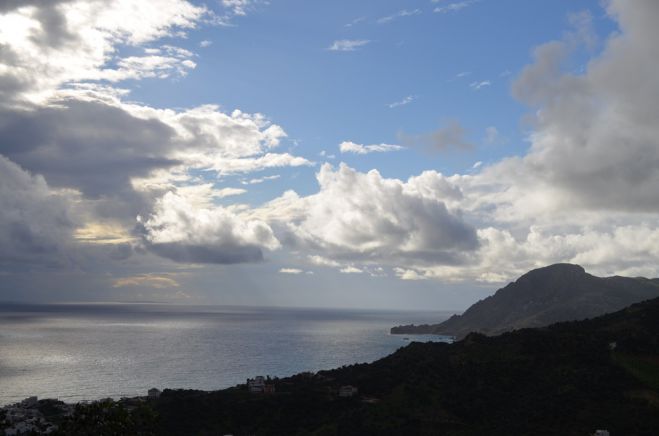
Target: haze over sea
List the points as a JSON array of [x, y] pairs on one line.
[[81, 352]]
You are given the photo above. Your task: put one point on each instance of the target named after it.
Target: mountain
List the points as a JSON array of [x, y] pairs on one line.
[[571, 378], [560, 292]]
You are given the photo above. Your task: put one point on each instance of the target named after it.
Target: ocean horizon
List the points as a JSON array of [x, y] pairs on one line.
[[77, 352]]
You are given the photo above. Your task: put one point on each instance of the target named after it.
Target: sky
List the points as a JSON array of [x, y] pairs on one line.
[[399, 154]]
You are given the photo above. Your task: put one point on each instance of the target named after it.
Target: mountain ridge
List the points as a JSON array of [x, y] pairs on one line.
[[543, 296]]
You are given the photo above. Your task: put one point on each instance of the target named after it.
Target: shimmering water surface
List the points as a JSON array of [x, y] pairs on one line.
[[78, 352]]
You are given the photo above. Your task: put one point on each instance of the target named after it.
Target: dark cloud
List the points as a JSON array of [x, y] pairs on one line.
[[450, 136], [54, 30], [35, 222], [10, 5], [89, 146]]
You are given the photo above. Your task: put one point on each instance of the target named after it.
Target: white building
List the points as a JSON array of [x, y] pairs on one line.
[[256, 384], [154, 393]]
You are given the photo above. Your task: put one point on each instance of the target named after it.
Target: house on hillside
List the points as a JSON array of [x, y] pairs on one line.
[[256, 385], [259, 385]]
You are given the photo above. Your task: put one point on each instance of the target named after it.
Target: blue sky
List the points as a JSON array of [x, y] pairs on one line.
[[276, 61], [407, 154]]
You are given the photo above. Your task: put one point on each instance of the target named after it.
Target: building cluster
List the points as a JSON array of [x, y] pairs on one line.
[[260, 385], [26, 418]]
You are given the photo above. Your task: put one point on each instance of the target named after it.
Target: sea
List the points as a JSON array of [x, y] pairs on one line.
[[76, 352]]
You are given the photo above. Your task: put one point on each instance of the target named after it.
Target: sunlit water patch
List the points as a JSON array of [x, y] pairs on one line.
[[76, 352]]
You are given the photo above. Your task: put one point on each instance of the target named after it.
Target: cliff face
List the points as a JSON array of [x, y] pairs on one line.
[[561, 292]]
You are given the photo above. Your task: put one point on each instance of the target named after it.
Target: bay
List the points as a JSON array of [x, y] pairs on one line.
[[88, 351]]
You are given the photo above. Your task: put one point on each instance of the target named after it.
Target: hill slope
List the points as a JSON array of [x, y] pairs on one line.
[[560, 292]]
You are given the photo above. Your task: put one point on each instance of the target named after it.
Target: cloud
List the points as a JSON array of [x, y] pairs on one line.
[[492, 135], [45, 139], [238, 7], [183, 232], [408, 274], [365, 217], [451, 135], [351, 270], [400, 14], [348, 44], [322, 261], [405, 101], [146, 281], [351, 147], [595, 139], [47, 45], [452, 7], [259, 180], [229, 192], [117, 171], [158, 63], [64, 120], [355, 22], [293, 271], [477, 86], [36, 222], [205, 43], [586, 190]]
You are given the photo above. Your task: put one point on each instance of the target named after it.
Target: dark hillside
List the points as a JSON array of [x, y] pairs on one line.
[[561, 292]]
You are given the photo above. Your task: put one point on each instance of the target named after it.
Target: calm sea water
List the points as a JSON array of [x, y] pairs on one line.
[[83, 352]]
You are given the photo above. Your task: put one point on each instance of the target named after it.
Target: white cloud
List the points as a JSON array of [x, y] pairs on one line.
[[405, 101], [229, 192], [452, 7], [400, 14], [294, 271], [323, 261], [182, 232], [351, 270], [408, 274], [348, 44], [351, 147], [260, 180], [373, 219], [238, 7], [47, 46], [205, 43], [477, 86]]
